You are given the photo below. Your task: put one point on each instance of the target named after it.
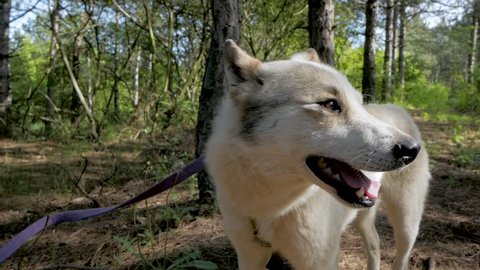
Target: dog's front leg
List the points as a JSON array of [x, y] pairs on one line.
[[365, 223], [251, 253]]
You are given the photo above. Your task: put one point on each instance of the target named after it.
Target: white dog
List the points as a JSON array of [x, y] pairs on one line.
[[286, 151]]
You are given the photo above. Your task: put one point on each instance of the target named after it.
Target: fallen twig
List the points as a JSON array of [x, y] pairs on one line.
[[95, 202]]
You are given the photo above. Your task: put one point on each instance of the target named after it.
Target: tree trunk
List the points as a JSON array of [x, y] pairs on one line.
[[75, 105], [89, 8], [368, 80], [320, 29], [136, 78], [402, 35], [54, 21], [90, 95], [116, 105], [394, 47], [5, 95], [226, 25], [473, 48], [77, 89], [387, 59], [77, 50], [142, 108]]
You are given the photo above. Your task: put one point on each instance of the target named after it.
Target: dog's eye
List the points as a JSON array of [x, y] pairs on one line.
[[330, 104]]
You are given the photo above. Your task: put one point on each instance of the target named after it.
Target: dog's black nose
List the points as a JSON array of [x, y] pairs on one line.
[[406, 152]]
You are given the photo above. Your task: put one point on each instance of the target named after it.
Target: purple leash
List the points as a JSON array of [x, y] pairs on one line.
[[76, 215]]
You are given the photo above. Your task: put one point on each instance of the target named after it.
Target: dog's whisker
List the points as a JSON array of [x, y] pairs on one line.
[[358, 154]]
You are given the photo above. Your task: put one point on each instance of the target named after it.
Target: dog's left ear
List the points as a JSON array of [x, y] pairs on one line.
[[241, 71], [239, 66], [308, 55]]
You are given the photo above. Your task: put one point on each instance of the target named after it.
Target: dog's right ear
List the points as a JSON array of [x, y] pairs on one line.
[[308, 55], [240, 70]]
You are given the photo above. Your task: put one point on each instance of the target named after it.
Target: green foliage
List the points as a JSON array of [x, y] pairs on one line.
[[467, 158], [446, 116], [27, 67], [191, 259], [127, 245], [170, 61], [172, 216], [423, 94], [350, 62], [465, 135], [348, 55], [274, 29], [458, 134], [466, 97], [169, 72]]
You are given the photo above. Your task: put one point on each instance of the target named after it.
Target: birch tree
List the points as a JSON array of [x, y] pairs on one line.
[[402, 37], [136, 78], [387, 59], [473, 41], [394, 46]]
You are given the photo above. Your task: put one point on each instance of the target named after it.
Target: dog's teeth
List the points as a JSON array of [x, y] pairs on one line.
[[321, 163], [360, 192], [328, 171], [336, 177]]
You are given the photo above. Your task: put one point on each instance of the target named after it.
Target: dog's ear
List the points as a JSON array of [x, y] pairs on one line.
[[239, 66], [240, 70], [308, 55]]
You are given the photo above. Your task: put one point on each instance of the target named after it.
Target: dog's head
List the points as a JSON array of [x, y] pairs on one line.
[[304, 114]]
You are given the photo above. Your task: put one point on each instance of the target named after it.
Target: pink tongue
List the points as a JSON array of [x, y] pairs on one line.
[[357, 179]]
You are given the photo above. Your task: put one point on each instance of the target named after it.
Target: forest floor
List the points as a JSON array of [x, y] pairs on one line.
[[171, 231]]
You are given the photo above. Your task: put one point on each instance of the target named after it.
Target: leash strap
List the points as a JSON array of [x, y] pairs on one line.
[[76, 215]]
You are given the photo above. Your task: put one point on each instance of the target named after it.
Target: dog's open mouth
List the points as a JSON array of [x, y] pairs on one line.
[[350, 184]]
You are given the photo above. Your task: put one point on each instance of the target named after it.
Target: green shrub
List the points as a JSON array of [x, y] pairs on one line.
[[425, 95], [466, 97]]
